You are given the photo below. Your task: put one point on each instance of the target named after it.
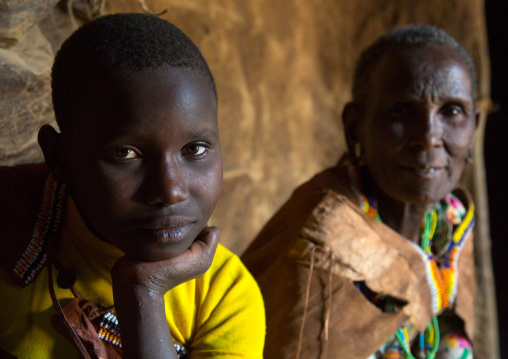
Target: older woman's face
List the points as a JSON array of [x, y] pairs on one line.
[[418, 123]]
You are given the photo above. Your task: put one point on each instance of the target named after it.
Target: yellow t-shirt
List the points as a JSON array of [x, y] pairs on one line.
[[219, 315]]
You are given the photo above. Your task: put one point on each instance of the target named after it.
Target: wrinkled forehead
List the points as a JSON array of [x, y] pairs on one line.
[[422, 71]]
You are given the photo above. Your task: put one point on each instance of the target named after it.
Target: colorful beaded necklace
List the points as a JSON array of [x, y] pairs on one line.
[[109, 331], [442, 281], [429, 340]]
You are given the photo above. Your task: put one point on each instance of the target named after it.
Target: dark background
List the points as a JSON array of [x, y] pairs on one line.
[[496, 159]]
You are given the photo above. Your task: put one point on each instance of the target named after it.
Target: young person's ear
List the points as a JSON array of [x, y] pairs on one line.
[[351, 119], [51, 144]]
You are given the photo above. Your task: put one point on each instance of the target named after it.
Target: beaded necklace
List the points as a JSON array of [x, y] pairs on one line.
[[109, 331], [102, 319], [442, 281], [429, 340], [456, 222]]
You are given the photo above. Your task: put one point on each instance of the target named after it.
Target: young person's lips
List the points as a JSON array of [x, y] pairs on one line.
[[169, 231]]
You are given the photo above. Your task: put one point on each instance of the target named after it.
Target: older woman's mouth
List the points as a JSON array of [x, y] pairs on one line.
[[424, 171]]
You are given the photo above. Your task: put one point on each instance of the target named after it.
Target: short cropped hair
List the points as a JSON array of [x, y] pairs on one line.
[[403, 38], [119, 42]]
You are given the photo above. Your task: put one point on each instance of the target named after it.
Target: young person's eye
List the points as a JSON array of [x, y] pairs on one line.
[[124, 153], [195, 150]]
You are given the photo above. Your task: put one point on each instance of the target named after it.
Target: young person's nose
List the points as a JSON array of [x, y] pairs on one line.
[[426, 131], [166, 184]]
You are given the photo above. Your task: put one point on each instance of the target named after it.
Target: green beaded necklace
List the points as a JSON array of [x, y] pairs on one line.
[[433, 327]]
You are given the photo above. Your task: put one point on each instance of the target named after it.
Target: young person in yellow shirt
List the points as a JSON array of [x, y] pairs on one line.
[[105, 248]]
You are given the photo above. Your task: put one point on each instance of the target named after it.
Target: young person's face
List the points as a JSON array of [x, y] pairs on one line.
[[144, 161], [419, 123]]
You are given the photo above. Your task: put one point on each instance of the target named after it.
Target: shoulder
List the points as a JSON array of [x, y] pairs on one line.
[[281, 233], [227, 270], [223, 256], [227, 280], [29, 214], [22, 187], [229, 310]]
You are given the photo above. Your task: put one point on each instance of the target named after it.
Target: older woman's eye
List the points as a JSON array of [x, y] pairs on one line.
[[125, 153], [399, 110], [452, 111], [195, 150]]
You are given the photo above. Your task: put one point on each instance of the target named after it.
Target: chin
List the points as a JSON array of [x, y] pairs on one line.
[[424, 197], [155, 254]]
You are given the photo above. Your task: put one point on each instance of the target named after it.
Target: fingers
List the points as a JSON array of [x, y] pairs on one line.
[[206, 242], [198, 258], [161, 276], [191, 264]]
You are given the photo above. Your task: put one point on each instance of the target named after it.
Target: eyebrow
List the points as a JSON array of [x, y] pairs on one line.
[[450, 90]]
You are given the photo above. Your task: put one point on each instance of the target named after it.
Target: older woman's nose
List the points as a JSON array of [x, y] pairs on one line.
[[165, 184], [427, 131]]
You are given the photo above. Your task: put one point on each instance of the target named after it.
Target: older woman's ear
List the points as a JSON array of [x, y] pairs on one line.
[[469, 156], [352, 119]]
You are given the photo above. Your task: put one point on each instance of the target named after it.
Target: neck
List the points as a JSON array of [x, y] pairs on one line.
[[404, 218]]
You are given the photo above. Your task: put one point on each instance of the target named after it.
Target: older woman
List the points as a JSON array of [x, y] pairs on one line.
[[374, 257]]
